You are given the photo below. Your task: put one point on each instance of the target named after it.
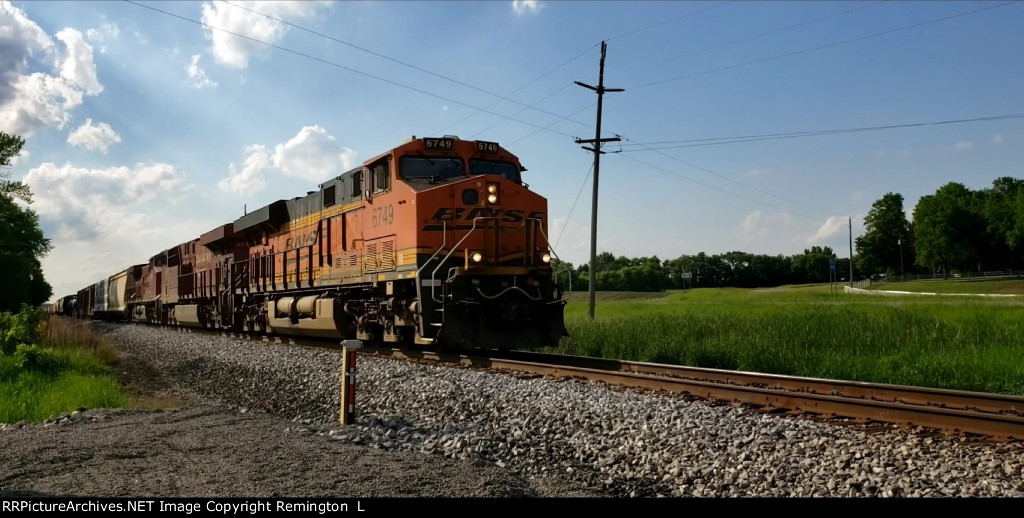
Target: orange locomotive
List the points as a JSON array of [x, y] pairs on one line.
[[435, 241]]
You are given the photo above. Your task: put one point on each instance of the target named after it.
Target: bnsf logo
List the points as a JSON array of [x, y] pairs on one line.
[[506, 215], [464, 214], [299, 241]]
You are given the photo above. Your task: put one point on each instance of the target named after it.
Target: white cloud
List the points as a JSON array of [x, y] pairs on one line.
[[76, 64], [837, 227], [998, 138], [521, 7], [101, 36], [856, 196], [235, 52], [757, 226], [196, 74], [248, 180], [964, 146], [86, 203], [831, 227], [94, 138], [75, 263], [572, 239], [313, 154], [753, 173], [37, 99]]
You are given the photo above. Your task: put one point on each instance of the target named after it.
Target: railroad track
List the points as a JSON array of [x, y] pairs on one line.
[[997, 416]]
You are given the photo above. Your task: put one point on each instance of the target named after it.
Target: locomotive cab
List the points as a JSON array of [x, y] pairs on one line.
[[484, 277]]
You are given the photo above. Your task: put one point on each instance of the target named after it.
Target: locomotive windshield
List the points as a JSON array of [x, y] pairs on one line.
[[505, 169], [431, 168]]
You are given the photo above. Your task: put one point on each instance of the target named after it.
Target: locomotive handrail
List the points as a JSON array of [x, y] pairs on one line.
[[444, 241], [551, 249], [548, 241], [433, 274]]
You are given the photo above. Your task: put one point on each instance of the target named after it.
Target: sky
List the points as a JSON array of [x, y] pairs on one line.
[[145, 129]]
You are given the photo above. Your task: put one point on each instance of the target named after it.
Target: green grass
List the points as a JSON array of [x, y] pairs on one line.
[[975, 344], [76, 374], [1007, 287]]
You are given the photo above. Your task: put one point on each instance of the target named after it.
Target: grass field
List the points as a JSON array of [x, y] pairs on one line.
[[959, 343], [68, 369], [1007, 287]]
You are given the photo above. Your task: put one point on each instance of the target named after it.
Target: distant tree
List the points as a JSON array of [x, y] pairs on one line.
[[22, 242], [1015, 237], [948, 229], [10, 147], [998, 206], [567, 275], [812, 265], [886, 229]]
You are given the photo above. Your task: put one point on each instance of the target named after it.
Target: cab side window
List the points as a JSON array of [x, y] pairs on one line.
[[381, 175], [357, 185]]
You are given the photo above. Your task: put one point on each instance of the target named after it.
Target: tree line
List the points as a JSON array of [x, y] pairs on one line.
[[22, 243], [731, 269], [954, 230]]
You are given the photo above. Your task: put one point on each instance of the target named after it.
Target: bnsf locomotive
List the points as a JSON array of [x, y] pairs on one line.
[[437, 241]]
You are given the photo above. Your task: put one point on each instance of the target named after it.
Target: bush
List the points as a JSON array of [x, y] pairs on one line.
[[23, 328], [32, 357]]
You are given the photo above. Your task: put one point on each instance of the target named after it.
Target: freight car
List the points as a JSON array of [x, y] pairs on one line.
[[437, 241]]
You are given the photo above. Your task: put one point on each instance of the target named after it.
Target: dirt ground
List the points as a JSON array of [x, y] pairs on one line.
[[198, 448]]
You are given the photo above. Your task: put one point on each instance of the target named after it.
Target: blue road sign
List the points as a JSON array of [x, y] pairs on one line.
[[832, 263]]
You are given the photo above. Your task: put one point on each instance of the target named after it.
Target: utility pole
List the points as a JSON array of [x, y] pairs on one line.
[[850, 221], [903, 273], [596, 142]]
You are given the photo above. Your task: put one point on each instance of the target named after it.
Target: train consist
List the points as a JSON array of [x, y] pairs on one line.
[[437, 241]]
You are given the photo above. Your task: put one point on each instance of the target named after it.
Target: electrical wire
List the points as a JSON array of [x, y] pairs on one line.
[[343, 67], [799, 134], [584, 184], [747, 38], [820, 47]]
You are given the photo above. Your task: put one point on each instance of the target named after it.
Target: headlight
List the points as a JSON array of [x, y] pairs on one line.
[[492, 188], [492, 198], [546, 257], [477, 257]]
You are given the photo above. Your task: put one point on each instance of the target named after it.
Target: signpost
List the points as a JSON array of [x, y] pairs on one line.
[[347, 414], [832, 288]]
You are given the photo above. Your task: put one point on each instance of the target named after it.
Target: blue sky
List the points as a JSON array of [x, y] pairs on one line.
[[144, 130]]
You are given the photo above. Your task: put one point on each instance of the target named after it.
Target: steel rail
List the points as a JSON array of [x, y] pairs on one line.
[[998, 416], [994, 415]]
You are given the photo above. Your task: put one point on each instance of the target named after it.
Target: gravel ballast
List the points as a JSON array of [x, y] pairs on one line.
[[586, 435]]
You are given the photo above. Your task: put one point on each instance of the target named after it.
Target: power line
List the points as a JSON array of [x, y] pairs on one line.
[[574, 58], [737, 182], [502, 121], [773, 31], [659, 24], [536, 131], [343, 67], [567, 218], [709, 186], [820, 47], [798, 134], [542, 76], [393, 60]]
